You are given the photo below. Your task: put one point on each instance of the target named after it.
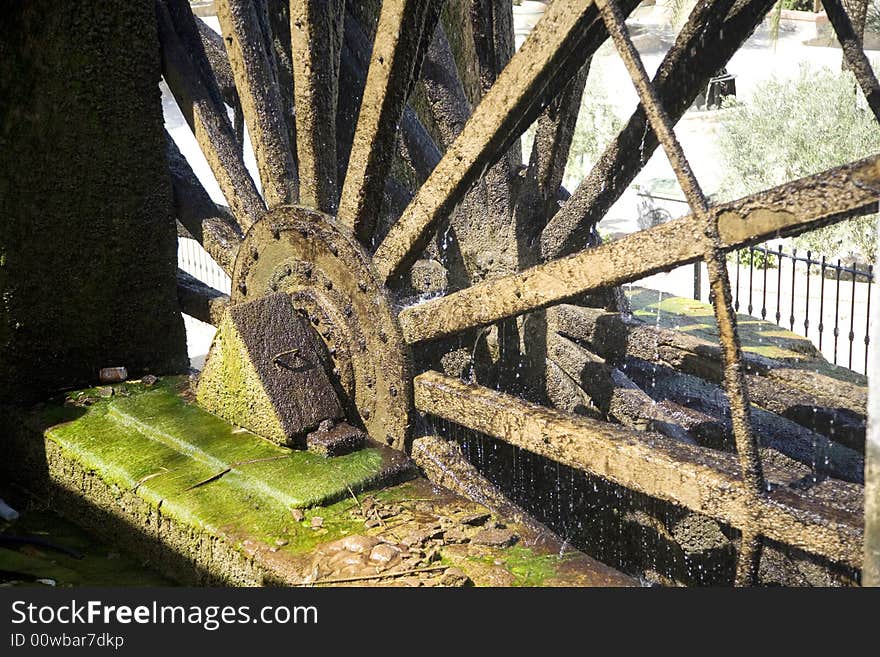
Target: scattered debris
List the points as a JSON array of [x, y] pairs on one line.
[[298, 515], [149, 380], [317, 522], [474, 519], [105, 392], [112, 374], [378, 576], [495, 537], [455, 577], [384, 553]]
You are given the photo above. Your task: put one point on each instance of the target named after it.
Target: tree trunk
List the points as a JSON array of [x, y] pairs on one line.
[[858, 12]]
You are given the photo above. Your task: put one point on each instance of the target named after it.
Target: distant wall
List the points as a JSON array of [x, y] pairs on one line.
[[87, 236]]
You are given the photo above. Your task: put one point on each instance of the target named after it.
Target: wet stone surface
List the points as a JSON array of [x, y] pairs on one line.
[[404, 545]]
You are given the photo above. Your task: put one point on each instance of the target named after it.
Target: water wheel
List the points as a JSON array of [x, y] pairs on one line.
[[377, 143]]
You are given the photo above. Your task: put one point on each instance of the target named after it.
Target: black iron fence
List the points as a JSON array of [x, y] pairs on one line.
[[823, 300]]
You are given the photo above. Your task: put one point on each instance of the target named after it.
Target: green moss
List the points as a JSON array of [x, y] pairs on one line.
[[757, 336], [528, 567], [166, 449], [230, 386], [698, 319]]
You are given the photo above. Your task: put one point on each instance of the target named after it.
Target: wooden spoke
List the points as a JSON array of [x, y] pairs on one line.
[[416, 146], [489, 129], [392, 67], [443, 89], [734, 375], [538, 197], [703, 480], [211, 225], [199, 300], [184, 67], [215, 51], [492, 23], [554, 135], [713, 33], [277, 18], [853, 53], [257, 87], [789, 209], [316, 46]]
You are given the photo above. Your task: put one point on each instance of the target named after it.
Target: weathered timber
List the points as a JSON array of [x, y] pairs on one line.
[[816, 401], [394, 63], [444, 464], [566, 394], [215, 51], [316, 48], [199, 300], [488, 132], [702, 480], [87, 233], [612, 391], [823, 457], [256, 82], [713, 33], [443, 89], [492, 25], [553, 137], [276, 26], [734, 377], [202, 106], [854, 55], [208, 223], [415, 146], [785, 210]]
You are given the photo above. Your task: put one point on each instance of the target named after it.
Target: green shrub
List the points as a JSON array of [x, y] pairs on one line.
[[756, 257], [795, 128], [798, 5], [597, 124], [872, 17]]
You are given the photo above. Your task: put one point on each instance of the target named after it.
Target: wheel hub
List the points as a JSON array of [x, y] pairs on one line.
[[330, 279]]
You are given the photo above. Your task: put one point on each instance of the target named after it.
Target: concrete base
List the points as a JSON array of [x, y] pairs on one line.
[[207, 503]]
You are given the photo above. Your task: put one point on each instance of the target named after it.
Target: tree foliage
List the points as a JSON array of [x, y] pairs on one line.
[[794, 128]]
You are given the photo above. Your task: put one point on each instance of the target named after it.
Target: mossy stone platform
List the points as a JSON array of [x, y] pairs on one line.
[[206, 502]]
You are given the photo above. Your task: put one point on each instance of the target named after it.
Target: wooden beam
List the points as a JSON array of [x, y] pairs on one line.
[[789, 209], [702, 480]]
